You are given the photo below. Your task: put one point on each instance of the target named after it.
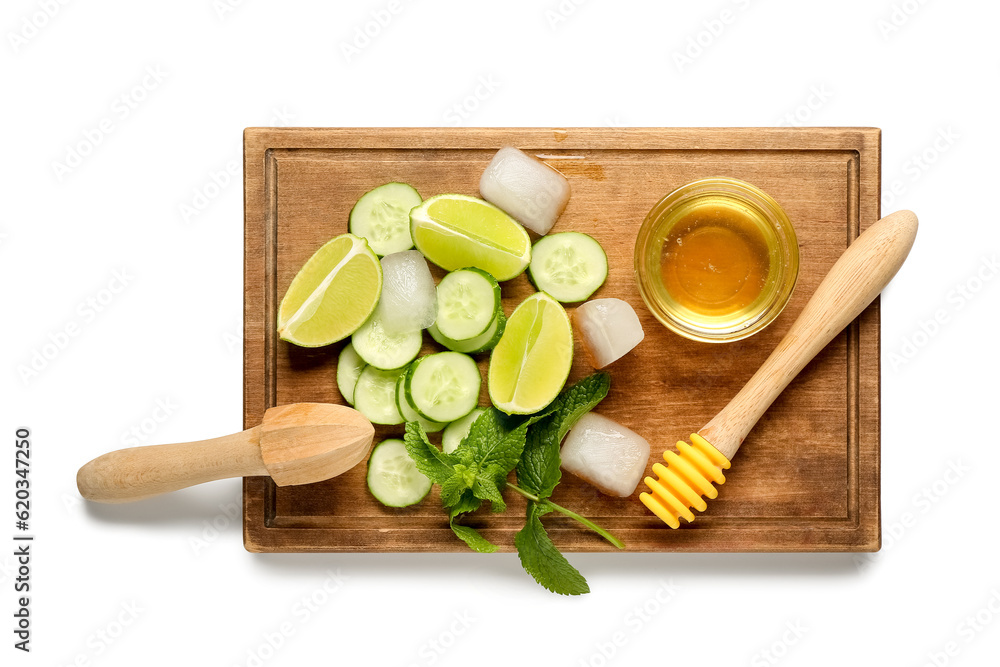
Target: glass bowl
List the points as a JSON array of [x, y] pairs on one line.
[[716, 260]]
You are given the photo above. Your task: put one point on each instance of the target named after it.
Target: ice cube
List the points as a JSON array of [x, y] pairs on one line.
[[409, 298], [527, 189], [606, 454], [609, 328]]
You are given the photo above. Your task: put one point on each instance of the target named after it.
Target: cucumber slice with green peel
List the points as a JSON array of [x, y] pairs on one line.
[[382, 350], [410, 413], [375, 396], [393, 477], [443, 387], [483, 343], [455, 432], [467, 303], [568, 266], [382, 216], [349, 367]]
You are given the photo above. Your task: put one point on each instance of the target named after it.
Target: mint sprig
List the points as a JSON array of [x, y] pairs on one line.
[[537, 476], [477, 471]]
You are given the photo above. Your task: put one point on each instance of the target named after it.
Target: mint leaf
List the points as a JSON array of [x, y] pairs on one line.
[[580, 399], [430, 460], [538, 470], [472, 537], [469, 503], [489, 442], [542, 560], [487, 487], [453, 488]]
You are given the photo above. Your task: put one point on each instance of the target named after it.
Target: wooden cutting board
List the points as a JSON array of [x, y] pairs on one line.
[[807, 477]]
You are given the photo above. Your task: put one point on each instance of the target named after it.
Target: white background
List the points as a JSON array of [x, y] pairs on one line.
[[925, 73]]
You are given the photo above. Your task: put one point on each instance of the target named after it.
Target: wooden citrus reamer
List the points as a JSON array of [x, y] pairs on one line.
[[295, 444], [853, 282]]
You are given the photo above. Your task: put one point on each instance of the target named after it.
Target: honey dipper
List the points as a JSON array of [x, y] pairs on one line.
[[853, 282]]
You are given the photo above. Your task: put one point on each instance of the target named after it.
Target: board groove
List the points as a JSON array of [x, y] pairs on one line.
[[299, 184]]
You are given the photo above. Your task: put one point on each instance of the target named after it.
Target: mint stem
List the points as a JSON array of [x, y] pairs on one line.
[[573, 515]]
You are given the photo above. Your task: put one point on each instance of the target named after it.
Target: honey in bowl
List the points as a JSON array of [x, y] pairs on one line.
[[716, 260]]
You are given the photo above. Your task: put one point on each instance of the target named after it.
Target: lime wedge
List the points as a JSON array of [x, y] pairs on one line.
[[332, 295], [530, 364], [456, 231]]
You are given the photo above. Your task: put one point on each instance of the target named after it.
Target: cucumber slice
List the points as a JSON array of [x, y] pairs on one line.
[[393, 478], [467, 303], [443, 387], [568, 266], [383, 350], [382, 216], [349, 367], [482, 343], [410, 413], [375, 396], [455, 432]]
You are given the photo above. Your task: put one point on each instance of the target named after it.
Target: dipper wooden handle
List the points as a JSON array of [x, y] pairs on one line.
[[864, 269], [300, 443]]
